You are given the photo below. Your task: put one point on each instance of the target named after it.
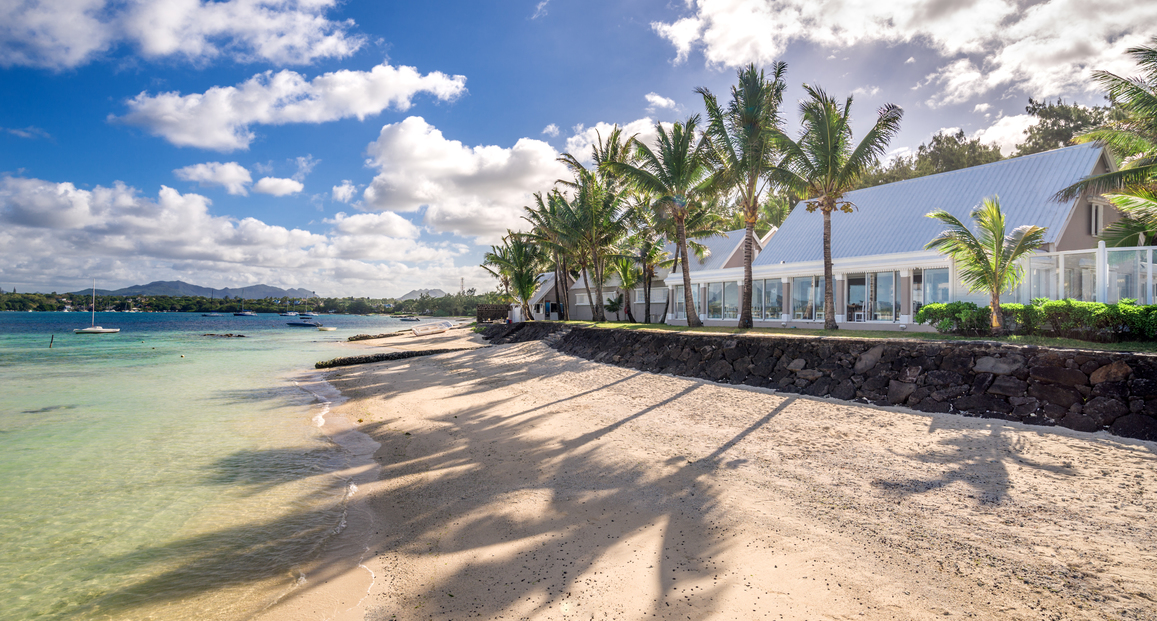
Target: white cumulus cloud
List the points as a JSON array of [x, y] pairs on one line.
[[220, 118], [655, 101], [579, 144], [1007, 132], [230, 175], [345, 192], [475, 191], [551, 130], [68, 33], [278, 187], [984, 45], [52, 234]]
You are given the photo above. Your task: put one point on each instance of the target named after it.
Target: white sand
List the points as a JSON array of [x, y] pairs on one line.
[[518, 483]]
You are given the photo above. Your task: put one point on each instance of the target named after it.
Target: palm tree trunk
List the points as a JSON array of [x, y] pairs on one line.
[[587, 285], [997, 316], [602, 314], [745, 297], [829, 285], [647, 273], [556, 298], [688, 299], [627, 304]]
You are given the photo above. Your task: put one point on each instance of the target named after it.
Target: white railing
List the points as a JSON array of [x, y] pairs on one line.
[[1100, 274]]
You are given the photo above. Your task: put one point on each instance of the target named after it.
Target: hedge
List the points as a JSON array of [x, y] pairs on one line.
[[1089, 321]]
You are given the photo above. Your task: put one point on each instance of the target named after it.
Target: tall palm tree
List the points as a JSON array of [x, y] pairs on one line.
[[677, 171], [1138, 223], [519, 259], [1133, 139], [743, 149], [823, 164], [987, 260]]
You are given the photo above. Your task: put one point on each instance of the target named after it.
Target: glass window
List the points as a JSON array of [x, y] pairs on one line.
[[757, 299], [1080, 276], [731, 300], [715, 300], [857, 296], [680, 303], [917, 291], [883, 296], [773, 299], [580, 299], [801, 298], [820, 291], [936, 287]]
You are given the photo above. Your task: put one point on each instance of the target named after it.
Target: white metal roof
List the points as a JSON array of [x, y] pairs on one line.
[[890, 218], [722, 246]]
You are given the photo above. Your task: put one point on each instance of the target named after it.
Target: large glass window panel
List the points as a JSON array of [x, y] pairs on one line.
[[917, 291], [801, 298], [883, 296], [819, 298], [1127, 274], [731, 300], [757, 299], [715, 300], [1042, 276], [937, 287], [680, 303], [773, 299], [857, 296], [1080, 276]]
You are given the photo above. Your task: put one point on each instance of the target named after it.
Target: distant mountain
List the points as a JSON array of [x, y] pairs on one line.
[[417, 293], [177, 288]]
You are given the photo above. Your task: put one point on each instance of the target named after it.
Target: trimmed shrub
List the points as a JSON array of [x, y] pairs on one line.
[[956, 318], [1088, 321]]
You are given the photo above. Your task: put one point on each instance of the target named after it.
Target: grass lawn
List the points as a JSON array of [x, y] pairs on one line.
[[1042, 341]]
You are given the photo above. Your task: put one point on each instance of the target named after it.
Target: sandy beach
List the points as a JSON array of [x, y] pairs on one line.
[[514, 482]]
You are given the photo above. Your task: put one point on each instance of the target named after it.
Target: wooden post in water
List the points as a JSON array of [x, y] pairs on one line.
[[50, 339]]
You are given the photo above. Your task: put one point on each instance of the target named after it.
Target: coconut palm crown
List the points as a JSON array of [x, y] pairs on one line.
[[987, 260]]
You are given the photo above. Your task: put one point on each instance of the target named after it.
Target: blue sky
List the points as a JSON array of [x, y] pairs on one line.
[[368, 148]]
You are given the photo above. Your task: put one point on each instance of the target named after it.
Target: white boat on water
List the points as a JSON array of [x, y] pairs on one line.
[[433, 328], [326, 328], [95, 329]]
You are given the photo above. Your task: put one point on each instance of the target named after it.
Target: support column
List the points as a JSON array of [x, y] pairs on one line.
[[1102, 273], [905, 296], [785, 286], [839, 288]]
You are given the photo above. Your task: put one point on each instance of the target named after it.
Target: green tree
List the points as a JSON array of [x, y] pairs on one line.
[[1057, 123], [987, 260], [614, 305], [628, 272], [943, 153], [742, 146], [677, 172], [824, 164]]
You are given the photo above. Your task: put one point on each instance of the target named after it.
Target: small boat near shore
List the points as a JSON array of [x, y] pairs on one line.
[[304, 324], [326, 328], [432, 328], [411, 319]]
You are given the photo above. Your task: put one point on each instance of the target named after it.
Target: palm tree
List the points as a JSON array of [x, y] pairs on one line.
[[1132, 139], [519, 259], [677, 171], [743, 150], [1138, 223], [824, 165], [989, 259], [554, 231], [628, 272]]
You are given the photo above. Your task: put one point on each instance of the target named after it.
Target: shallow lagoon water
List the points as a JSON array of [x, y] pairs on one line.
[[139, 484]]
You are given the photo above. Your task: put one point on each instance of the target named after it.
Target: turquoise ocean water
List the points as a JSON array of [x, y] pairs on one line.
[[139, 484]]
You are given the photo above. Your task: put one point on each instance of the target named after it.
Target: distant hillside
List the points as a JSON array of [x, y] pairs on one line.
[[177, 288], [417, 293]]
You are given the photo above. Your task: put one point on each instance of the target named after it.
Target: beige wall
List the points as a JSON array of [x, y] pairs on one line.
[[1076, 235]]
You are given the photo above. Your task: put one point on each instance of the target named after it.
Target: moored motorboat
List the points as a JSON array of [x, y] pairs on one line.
[[433, 328], [303, 324]]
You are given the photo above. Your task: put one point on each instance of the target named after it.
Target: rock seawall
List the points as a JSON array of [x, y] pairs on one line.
[[1081, 390]]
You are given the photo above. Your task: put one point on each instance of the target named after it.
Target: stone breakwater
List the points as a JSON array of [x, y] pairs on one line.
[[1077, 389]]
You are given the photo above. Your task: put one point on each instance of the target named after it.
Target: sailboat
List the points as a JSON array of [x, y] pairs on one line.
[[212, 296], [244, 313], [288, 313], [95, 329]]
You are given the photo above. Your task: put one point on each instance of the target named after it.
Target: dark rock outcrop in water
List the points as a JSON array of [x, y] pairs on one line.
[[1078, 389], [366, 337], [226, 336]]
